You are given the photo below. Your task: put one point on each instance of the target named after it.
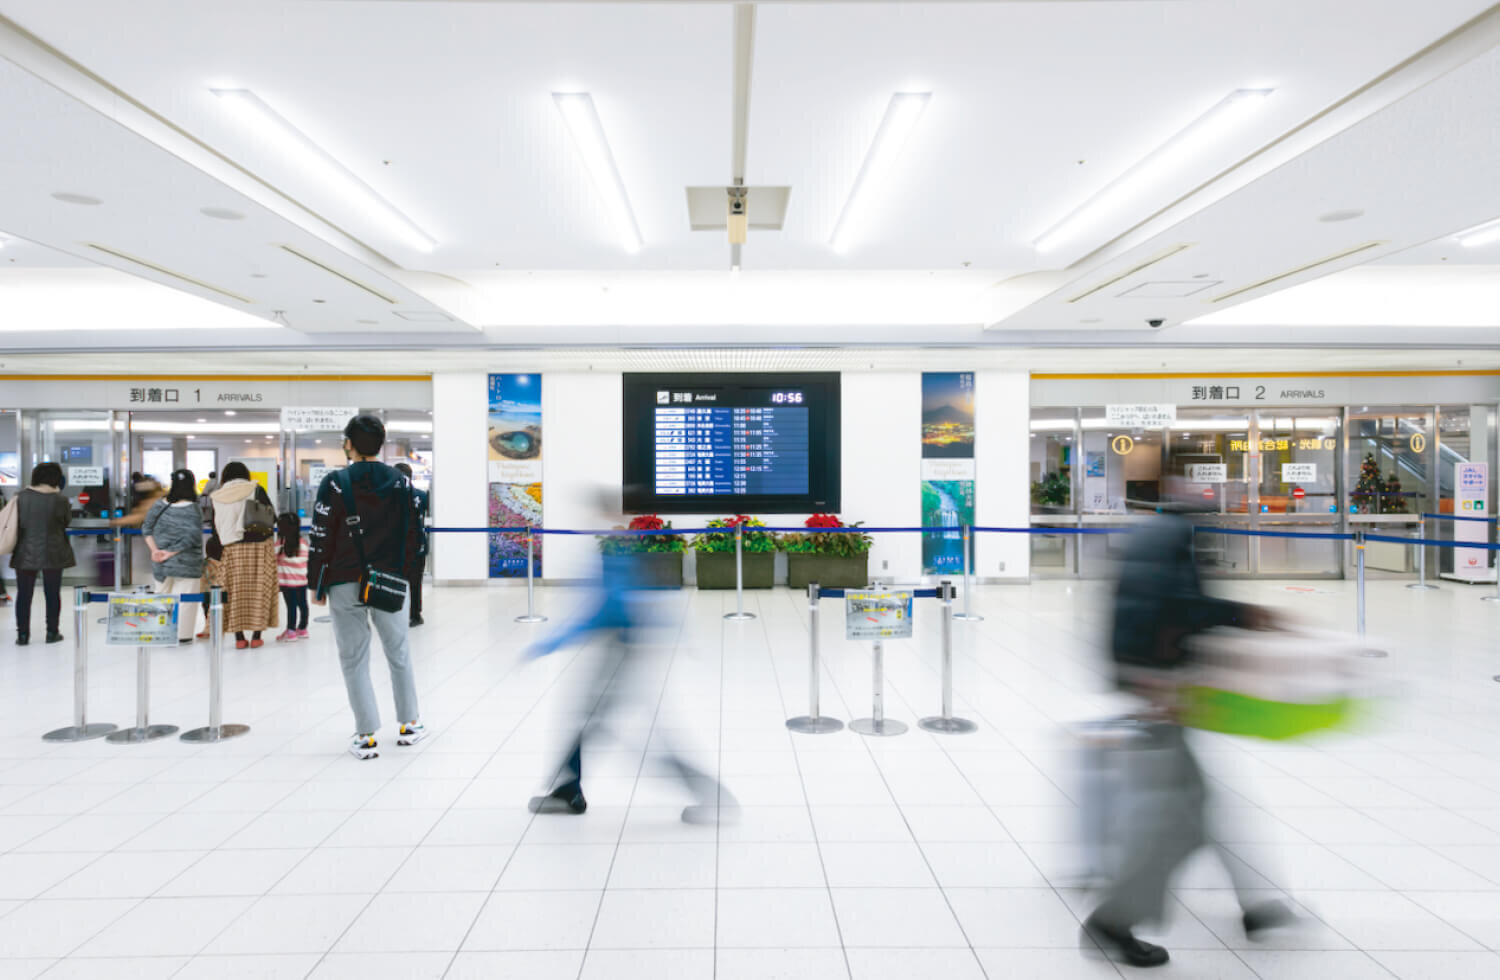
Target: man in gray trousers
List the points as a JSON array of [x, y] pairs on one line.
[[378, 529]]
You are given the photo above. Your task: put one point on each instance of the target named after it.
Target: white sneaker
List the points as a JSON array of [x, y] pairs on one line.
[[411, 734], [363, 747]]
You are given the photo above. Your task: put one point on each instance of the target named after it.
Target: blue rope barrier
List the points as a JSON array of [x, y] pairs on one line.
[[1457, 517], [1434, 542]]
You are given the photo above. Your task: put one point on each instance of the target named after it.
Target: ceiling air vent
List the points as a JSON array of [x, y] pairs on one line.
[[1159, 257], [334, 272], [162, 270], [1298, 271], [1169, 290]]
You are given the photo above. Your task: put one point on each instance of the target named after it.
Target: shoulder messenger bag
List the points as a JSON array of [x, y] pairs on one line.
[[377, 589]]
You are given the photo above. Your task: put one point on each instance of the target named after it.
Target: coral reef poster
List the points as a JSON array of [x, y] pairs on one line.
[[514, 447]]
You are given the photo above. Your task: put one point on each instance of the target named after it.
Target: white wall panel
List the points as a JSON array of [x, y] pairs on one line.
[[882, 476], [1002, 430], [581, 453], [460, 489]]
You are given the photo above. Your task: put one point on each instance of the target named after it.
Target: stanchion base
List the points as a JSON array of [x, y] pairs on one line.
[[75, 734], [210, 734], [322, 619], [948, 726], [148, 734], [814, 725], [877, 726], [531, 619], [969, 617], [739, 616], [1489, 598], [1421, 587]]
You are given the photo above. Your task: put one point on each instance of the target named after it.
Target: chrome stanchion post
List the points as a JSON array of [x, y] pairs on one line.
[[1359, 557], [216, 731], [143, 731], [739, 576], [80, 730], [968, 615], [531, 616], [1421, 557], [813, 723], [945, 722], [878, 724]]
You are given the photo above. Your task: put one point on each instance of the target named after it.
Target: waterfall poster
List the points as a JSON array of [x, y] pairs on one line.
[[947, 469], [514, 448]]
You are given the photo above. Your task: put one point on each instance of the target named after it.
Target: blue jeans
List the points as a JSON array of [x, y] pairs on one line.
[[351, 631]]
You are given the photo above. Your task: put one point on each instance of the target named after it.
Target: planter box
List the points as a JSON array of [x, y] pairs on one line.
[[654, 569], [716, 570], [829, 571]]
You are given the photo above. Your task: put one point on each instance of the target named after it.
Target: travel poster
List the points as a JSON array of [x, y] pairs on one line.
[[947, 504], [514, 452], [948, 415]]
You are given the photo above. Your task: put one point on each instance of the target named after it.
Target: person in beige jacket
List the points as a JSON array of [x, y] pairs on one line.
[[247, 568]]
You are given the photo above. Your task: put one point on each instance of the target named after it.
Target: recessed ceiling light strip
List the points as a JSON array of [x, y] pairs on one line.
[[583, 123], [1485, 234], [901, 116], [161, 270], [1099, 216], [334, 272], [1160, 256], [1298, 271], [266, 124]]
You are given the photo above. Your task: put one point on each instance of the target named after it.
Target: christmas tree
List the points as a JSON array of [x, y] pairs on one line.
[[1367, 491], [1394, 501]]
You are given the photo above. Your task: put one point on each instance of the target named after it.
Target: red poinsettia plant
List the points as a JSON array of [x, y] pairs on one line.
[[820, 541], [626, 544]]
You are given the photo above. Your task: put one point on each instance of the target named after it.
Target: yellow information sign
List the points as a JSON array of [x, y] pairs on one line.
[[1418, 442], [1122, 445]]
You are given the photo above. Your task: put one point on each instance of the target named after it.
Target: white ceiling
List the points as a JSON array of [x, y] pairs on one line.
[[445, 110]]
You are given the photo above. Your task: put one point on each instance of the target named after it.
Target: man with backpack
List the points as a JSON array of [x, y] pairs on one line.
[[365, 528]]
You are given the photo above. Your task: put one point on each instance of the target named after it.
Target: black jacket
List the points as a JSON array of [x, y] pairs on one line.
[[384, 500], [1159, 599], [41, 532]]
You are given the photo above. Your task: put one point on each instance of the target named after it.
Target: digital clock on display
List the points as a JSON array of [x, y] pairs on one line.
[[786, 398]]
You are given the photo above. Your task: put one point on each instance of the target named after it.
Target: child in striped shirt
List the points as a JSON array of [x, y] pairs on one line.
[[291, 575]]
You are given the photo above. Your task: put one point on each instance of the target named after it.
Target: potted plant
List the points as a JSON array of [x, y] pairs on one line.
[[715, 552], [657, 557], [836, 559]]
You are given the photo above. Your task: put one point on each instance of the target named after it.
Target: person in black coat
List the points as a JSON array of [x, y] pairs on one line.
[[42, 549]]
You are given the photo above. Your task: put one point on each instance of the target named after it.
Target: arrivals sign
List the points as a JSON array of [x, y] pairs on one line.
[[947, 469], [1140, 416], [1471, 490]]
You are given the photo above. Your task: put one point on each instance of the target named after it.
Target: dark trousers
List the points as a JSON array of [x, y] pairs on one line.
[[414, 589], [295, 597], [51, 589]]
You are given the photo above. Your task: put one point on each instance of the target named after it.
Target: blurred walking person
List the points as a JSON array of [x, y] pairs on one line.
[[1160, 812], [620, 613]]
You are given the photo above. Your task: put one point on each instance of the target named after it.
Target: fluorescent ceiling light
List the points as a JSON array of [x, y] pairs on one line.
[[896, 127], [1485, 234], [106, 300], [1141, 185], [583, 123], [307, 157]]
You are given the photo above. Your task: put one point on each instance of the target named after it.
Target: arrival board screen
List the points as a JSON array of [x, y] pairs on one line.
[[717, 443]]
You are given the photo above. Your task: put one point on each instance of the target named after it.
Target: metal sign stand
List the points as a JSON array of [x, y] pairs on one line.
[[143, 731], [879, 724], [968, 615], [945, 722], [215, 731], [80, 730], [739, 576], [813, 723], [531, 614], [1421, 582]]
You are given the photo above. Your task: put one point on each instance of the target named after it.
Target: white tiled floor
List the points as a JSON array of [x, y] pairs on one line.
[[276, 855]]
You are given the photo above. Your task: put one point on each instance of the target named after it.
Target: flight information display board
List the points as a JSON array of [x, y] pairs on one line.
[[717, 443]]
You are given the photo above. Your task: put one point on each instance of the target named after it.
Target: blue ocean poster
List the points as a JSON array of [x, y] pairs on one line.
[[514, 447]]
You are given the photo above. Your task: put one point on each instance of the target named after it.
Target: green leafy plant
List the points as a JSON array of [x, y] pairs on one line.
[[1053, 490], [719, 542], [822, 542], [636, 544]]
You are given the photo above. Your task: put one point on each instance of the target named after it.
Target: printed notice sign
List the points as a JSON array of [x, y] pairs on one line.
[[1299, 472], [1140, 416], [85, 476], [1207, 473], [306, 419], [1470, 491], [141, 620], [870, 615]]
